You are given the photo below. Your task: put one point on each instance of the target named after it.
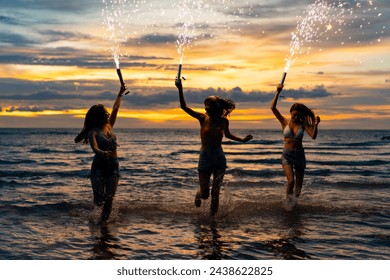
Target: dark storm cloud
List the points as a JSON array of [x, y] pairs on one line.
[[160, 39], [144, 97], [10, 20], [238, 95], [46, 95], [61, 6], [13, 39], [75, 57], [318, 92], [276, 9], [12, 87], [56, 35], [34, 108], [197, 96], [45, 36]]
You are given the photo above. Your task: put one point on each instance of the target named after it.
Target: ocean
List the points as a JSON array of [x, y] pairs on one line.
[[47, 211]]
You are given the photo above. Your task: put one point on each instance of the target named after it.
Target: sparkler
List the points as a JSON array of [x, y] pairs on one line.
[[179, 70], [283, 78]]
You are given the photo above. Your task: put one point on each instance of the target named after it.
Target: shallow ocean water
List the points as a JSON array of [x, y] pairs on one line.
[[47, 209]]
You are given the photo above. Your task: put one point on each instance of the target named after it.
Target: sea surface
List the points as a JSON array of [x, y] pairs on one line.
[[47, 211]]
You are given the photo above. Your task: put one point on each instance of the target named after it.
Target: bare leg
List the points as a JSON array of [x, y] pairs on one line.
[[299, 174], [98, 184], [217, 182], [111, 186], [289, 172], [204, 184]]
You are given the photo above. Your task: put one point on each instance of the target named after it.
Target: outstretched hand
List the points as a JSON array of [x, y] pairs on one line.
[[123, 90], [178, 84], [247, 138], [279, 88]]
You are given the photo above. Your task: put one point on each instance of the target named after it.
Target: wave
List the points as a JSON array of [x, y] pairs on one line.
[[154, 208], [367, 163], [16, 161], [57, 151], [38, 131], [83, 173], [243, 209], [184, 151], [358, 184], [256, 161], [261, 173], [42, 209], [254, 142], [350, 146]]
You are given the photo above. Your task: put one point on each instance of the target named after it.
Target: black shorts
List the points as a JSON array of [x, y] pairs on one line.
[[210, 161]]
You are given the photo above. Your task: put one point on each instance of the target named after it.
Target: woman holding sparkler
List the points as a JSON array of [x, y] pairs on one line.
[[213, 126], [293, 156], [98, 133]]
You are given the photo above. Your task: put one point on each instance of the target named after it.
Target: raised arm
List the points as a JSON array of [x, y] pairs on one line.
[[234, 137], [274, 102], [183, 103], [313, 131], [117, 104]]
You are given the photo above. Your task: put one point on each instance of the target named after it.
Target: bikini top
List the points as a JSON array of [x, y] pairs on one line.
[[288, 133]]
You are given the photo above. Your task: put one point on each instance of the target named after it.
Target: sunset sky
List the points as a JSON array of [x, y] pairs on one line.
[[55, 61]]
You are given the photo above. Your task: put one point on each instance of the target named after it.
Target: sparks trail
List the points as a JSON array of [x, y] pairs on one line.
[[195, 15], [324, 20]]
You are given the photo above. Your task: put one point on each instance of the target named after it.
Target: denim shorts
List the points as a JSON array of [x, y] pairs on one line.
[[210, 161], [294, 158]]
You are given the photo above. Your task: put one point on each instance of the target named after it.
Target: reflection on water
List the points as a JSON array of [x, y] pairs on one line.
[[216, 238], [292, 228], [211, 246], [105, 243]]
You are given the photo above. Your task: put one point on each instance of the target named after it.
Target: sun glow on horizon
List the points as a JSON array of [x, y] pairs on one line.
[[176, 114]]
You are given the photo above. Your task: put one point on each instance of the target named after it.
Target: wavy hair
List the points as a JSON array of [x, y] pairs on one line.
[[223, 107], [307, 115], [96, 117]]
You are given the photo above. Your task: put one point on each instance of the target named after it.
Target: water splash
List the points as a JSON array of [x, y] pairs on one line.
[[324, 20]]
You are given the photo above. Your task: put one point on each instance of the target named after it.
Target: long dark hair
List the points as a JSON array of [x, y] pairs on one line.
[[307, 116], [97, 116], [223, 107]]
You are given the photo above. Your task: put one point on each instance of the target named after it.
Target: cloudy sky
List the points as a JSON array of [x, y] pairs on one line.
[[56, 60]]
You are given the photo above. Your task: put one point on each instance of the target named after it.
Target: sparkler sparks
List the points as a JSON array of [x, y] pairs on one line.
[[116, 18], [194, 15], [323, 17]]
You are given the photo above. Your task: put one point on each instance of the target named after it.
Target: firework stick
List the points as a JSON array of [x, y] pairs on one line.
[[179, 72], [283, 78], [118, 71]]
